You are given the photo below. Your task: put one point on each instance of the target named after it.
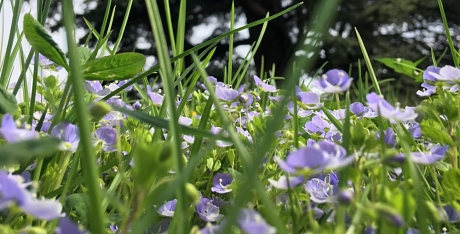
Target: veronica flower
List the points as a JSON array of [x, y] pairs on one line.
[[428, 81], [251, 222], [168, 208], [46, 63], [449, 214], [310, 100], [207, 211], [282, 182], [446, 73], [320, 126], [222, 183], [95, 87], [334, 81], [12, 134], [265, 87], [389, 137], [218, 130], [14, 191], [156, 98], [386, 110], [437, 152], [225, 93], [211, 229], [67, 226], [324, 155], [68, 134], [320, 191], [108, 136]]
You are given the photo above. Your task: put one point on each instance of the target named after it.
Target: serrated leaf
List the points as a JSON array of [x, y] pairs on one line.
[[42, 42], [433, 131], [8, 103], [114, 67], [22, 151], [209, 163], [403, 66]]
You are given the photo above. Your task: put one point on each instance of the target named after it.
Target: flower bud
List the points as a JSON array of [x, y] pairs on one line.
[[193, 194], [99, 110]]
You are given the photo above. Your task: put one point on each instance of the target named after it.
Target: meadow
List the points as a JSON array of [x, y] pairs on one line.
[[104, 150]]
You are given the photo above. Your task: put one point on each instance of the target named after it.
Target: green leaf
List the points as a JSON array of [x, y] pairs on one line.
[[84, 54], [42, 42], [403, 66], [213, 166], [433, 131], [22, 151], [8, 103], [451, 184], [77, 204], [114, 67]]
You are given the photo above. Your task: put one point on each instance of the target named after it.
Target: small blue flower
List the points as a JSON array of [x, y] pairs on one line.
[[324, 155], [320, 191], [12, 134], [67, 226], [222, 183], [69, 135], [334, 81], [386, 110], [251, 222], [265, 87], [12, 190], [437, 152], [282, 182], [108, 136], [207, 211], [168, 208]]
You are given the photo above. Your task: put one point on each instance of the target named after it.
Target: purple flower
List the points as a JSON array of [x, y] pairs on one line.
[[320, 191], [446, 73], [14, 191], [386, 110], [389, 137], [207, 211], [95, 87], [428, 81], [226, 94], [334, 81], [282, 182], [265, 87], [123, 82], [12, 134], [319, 126], [108, 136], [222, 183], [137, 105], [449, 214], [67, 226], [324, 155], [217, 131], [437, 152], [69, 134], [251, 222], [211, 229], [156, 98], [310, 100], [168, 208], [46, 63]]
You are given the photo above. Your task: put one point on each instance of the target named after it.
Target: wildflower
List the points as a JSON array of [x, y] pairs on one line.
[[310, 100], [437, 152], [386, 110], [222, 183], [137, 105], [69, 134], [282, 182], [108, 136], [389, 137], [168, 208], [449, 214], [46, 63], [218, 130], [334, 81], [14, 191], [320, 191], [95, 87], [12, 134], [446, 73], [428, 82], [225, 93], [156, 98], [265, 87], [68, 226], [324, 155], [211, 229], [207, 211], [251, 222], [318, 125]]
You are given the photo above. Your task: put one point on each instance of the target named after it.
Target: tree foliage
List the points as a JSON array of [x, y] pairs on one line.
[[389, 28]]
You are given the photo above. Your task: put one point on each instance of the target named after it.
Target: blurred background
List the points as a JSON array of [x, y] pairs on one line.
[[389, 28]]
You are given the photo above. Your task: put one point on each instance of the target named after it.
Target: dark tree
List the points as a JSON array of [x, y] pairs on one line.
[[389, 28]]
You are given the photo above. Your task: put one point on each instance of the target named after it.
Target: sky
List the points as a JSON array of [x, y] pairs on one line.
[[201, 32]]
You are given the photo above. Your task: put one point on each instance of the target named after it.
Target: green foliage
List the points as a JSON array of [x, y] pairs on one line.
[[42, 42], [451, 185], [20, 152], [114, 67], [8, 103], [404, 66], [436, 133]]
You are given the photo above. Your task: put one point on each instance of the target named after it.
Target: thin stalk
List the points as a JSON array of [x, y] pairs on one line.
[[96, 215]]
